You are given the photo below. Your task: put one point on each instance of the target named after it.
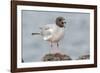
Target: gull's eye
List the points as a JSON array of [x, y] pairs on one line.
[[62, 22]]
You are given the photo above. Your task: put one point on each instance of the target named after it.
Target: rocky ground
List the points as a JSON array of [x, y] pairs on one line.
[[62, 57], [56, 57], [84, 57]]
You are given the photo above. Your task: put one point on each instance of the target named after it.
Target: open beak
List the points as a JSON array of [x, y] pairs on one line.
[[64, 22], [64, 25]]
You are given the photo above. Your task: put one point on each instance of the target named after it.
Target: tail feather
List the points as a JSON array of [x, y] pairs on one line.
[[35, 33]]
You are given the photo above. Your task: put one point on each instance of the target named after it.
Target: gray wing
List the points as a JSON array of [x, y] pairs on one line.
[[47, 31]]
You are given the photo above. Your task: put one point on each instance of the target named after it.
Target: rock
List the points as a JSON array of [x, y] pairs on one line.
[[56, 57], [84, 57]]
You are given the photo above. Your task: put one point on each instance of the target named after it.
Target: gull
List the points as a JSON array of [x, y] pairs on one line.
[[53, 33]]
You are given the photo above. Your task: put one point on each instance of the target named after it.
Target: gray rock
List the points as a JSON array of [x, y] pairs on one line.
[[84, 57], [56, 57]]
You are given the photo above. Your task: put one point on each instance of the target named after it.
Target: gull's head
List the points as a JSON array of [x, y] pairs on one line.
[[60, 21]]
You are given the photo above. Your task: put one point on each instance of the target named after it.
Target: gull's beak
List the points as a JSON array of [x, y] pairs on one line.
[[64, 22], [64, 25]]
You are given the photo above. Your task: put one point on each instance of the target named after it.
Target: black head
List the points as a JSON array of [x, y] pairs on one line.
[[60, 21]]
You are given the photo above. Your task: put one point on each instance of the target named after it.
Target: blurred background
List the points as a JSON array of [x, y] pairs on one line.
[[76, 38]]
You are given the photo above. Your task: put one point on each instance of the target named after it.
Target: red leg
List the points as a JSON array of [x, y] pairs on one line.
[[58, 49], [51, 45], [57, 45]]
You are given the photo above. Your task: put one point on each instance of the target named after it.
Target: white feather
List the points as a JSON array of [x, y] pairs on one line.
[[52, 33]]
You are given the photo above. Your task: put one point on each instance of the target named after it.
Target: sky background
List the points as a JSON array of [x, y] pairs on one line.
[[76, 38]]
